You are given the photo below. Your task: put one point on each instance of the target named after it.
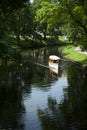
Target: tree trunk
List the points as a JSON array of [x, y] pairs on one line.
[[44, 36], [18, 38]]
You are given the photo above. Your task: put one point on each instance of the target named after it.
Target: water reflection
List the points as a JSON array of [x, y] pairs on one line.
[[56, 73], [16, 86], [71, 112], [32, 98], [11, 105]]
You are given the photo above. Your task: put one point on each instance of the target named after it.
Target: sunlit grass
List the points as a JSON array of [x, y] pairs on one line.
[[63, 38], [70, 52]]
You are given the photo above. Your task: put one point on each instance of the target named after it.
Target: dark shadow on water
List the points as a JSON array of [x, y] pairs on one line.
[[71, 112]]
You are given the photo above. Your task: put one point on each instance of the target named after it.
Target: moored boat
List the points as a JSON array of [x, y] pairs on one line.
[[54, 61]]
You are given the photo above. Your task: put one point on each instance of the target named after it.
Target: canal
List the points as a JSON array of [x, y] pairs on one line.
[[32, 97]]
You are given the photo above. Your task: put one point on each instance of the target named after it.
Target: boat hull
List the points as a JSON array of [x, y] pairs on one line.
[[53, 65]]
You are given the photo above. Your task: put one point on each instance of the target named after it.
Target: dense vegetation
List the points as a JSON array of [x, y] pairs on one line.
[[25, 25]]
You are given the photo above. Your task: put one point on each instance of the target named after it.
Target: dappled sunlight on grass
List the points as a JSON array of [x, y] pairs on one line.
[[70, 52]]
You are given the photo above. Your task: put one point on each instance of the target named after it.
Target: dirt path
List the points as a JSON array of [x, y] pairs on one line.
[[78, 49]]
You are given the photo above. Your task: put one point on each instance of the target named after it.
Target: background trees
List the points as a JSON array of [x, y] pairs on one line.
[[42, 18], [77, 18], [9, 24], [69, 16]]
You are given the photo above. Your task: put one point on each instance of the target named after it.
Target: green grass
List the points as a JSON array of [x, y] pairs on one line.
[[70, 53], [62, 38]]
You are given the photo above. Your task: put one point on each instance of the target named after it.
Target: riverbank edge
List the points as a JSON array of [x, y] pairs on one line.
[[79, 52], [76, 62]]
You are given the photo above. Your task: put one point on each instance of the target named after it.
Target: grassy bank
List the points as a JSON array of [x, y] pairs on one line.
[[69, 52]]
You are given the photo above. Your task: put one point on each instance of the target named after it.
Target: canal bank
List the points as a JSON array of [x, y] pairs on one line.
[[74, 54]]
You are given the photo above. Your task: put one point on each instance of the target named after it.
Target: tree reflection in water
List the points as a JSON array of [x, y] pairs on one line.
[[71, 112], [11, 104]]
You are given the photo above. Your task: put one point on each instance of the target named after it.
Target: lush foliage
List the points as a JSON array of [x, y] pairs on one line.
[[69, 16], [12, 25], [29, 24]]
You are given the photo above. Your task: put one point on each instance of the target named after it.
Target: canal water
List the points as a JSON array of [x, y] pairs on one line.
[[32, 97]]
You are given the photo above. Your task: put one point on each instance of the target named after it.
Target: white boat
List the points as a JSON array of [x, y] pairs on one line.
[[54, 61], [54, 72]]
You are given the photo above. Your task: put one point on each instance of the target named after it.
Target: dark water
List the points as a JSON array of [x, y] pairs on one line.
[[33, 98]]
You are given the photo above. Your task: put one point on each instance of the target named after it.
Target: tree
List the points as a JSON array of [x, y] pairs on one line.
[[68, 14], [76, 16], [47, 15], [9, 11], [27, 21], [8, 5]]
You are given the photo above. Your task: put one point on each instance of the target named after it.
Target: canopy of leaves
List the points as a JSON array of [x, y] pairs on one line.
[[11, 5], [72, 14], [49, 14]]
